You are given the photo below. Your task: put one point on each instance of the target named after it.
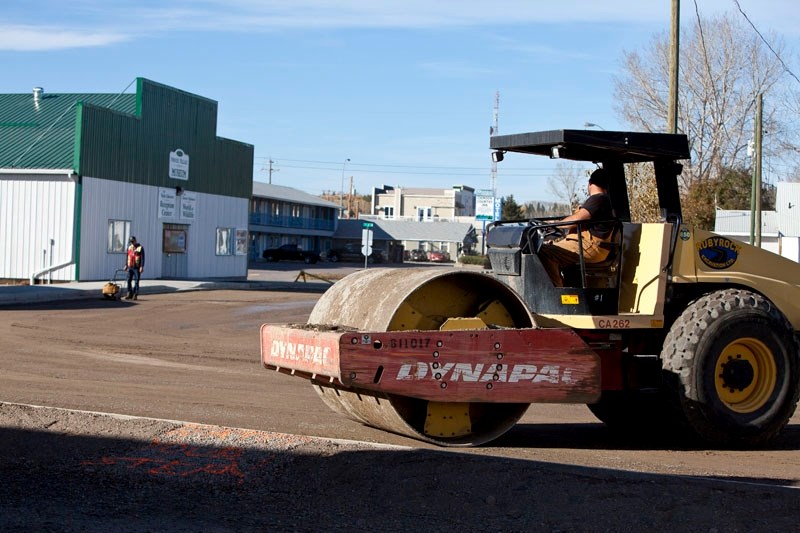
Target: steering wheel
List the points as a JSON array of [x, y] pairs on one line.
[[544, 234]]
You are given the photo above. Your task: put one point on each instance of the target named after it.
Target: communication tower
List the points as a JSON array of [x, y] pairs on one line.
[[494, 131]]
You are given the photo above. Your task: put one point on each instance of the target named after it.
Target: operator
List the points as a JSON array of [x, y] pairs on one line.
[[556, 255], [135, 266]]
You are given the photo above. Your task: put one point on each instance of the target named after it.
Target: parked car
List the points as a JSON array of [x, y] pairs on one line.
[[415, 255], [352, 252], [290, 252], [438, 257]]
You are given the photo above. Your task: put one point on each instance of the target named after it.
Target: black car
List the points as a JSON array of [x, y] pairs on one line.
[[290, 252], [351, 252], [415, 255]]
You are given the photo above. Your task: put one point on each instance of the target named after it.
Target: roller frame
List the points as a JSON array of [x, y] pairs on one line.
[[490, 365]]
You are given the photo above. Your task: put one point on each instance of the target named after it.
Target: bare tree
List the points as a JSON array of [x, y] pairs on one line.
[[642, 192], [723, 67], [566, 184]]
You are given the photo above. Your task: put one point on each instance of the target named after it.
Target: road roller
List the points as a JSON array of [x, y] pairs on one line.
[[677, 330]]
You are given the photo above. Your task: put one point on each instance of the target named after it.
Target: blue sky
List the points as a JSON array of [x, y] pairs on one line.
[[404, 89]]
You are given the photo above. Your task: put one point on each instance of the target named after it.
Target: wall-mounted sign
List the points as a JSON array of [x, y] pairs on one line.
[[188, 205], [179, 165], [167, 203]]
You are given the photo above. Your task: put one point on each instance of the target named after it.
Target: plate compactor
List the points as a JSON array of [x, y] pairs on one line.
[[678, 329]]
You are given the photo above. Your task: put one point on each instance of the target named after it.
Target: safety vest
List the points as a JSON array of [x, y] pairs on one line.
[[135, 256]]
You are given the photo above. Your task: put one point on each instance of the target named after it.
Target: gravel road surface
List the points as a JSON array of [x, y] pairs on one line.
[[261, 452], [78, 471]]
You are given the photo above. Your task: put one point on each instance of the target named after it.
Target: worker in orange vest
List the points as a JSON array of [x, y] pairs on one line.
[[135, 266]]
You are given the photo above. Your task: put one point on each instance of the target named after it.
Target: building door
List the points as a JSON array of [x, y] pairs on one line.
[[175, 257]]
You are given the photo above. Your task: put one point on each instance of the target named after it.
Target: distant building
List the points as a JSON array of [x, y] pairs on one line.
[[780, 229], [394, 237], [282, 215], [81, 173], [423, 204]]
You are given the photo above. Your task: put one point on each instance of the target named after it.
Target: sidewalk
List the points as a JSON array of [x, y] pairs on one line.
[[93, 290]]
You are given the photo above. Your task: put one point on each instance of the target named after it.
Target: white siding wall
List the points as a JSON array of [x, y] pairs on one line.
[[790, 248], [214, 212], [787, 202], [33, 210], [105, 200]]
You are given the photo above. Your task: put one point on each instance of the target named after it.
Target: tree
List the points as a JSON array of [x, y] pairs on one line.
[[542, 210], [725, 192], [723, 68], [566, 183], [642, 192], [511, 210]]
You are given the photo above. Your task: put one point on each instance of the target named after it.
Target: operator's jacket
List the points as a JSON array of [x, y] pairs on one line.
[[135, 256]]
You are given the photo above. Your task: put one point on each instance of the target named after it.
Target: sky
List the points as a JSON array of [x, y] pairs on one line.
[[380, 92]]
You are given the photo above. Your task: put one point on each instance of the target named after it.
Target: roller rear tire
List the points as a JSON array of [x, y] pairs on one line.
[[733, 365]]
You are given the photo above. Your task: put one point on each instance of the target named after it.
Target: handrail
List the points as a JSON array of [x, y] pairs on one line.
[[677, 221]]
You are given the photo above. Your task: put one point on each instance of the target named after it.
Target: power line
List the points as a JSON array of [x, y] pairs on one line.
[[366, 164], [785, 67], [475, 172], [372, 167]]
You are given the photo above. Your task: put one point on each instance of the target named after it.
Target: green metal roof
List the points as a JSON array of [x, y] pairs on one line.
[[125, 137], [41, 134]]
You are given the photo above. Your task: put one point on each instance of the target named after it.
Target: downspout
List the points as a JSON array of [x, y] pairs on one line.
[[74, 249]]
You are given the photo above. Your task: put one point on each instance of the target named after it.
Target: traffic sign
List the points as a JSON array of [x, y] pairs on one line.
[[366, 225], [366, 239]]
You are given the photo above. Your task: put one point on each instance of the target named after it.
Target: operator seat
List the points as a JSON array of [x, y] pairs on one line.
[[604, 274]]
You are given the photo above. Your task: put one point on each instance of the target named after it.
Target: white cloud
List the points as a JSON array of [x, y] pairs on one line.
[[32, 39], [125, 19]]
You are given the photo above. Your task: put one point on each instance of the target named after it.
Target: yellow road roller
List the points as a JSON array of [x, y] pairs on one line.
[[676, 328]]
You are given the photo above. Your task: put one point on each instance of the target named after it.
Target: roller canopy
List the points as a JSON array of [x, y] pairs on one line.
[[585, 145]]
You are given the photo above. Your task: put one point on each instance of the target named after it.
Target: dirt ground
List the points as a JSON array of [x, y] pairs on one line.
[[195, 357]]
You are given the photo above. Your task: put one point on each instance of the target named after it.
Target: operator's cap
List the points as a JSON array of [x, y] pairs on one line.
[[132, 239], [600, 178]]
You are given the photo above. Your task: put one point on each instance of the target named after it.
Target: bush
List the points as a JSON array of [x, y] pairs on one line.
[[475, 260]]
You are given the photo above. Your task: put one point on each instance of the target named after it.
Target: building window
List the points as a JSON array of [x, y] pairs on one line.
[[174, 241], [388, 212], [424, 213], [225, 244], [119, 231]]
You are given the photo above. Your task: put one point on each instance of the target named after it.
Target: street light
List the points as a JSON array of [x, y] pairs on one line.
[[341, 191], [592, 125]]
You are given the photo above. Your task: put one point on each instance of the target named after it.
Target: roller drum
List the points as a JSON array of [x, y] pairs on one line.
[[420, 299]]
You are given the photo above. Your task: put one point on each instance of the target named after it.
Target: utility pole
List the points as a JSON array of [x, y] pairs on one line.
[[674, 54], [350, 199], [755, 194], [271, 170], [341, 191]]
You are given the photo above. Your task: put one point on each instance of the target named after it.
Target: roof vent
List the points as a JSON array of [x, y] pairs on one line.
[[38, 92]]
